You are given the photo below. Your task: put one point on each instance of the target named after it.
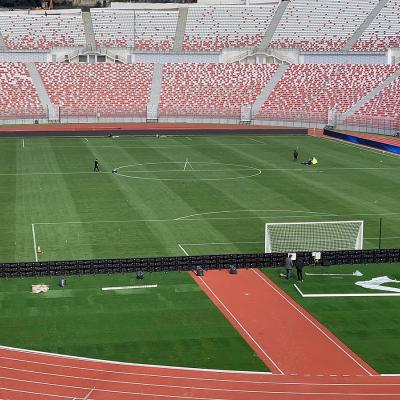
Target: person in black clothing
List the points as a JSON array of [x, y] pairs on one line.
[[295, 155], [96, 166], [299, 268]]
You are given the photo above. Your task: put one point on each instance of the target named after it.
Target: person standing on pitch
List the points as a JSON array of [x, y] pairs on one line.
[[288, 266], [299, 268], [295, 154], [96, 166]]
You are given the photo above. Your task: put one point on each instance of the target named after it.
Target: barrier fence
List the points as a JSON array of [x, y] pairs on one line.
[[243, 114], [189, 263]]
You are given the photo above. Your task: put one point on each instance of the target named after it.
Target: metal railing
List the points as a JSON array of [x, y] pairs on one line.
[[111, 113]]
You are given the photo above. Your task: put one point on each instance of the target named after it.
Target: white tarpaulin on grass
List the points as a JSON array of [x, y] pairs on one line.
[[378, 284]]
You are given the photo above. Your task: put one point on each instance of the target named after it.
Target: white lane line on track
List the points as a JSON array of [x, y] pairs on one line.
[[241, 326], [239, 381], [115, 392], [293, 305], [283, 392]]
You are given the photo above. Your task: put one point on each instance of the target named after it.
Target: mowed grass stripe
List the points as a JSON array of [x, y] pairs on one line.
[[173, 324]]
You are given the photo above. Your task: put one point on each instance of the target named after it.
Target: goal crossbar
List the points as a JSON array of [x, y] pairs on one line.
[[313, 236]]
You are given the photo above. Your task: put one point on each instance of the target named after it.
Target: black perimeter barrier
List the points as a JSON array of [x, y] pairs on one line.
[[189, 263]]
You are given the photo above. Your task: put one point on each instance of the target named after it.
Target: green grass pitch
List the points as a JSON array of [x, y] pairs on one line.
[[172, 324], [217, 204], [174, 196], [370, 326]]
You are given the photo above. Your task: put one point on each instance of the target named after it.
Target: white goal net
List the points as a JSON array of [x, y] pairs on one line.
[[313, 236]]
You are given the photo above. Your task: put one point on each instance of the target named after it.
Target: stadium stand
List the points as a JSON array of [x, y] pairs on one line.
[[320, 25], [39, 31], [217, 27], [316, 88], [384, 30], [385, 104], [18, 97], [139, 29], [98, 89], [211, 90], [348, 85], [296, 90]]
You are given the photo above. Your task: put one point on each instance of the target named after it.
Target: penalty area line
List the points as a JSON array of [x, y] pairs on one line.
[[319, 295], [34, 242], [183, 249]]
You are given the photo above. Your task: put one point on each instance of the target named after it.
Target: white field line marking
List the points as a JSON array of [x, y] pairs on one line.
[[186, 218], [255, 140], [319, 295], [293, 305], [241, 326], [311, 274], [55, 173], [34, 242], [203, 170], [183, 250], [360, 146], [129, 287], [218, 243], [87, 397], [249, 211]]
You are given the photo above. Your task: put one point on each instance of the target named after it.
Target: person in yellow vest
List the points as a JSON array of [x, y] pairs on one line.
[[311, 161]]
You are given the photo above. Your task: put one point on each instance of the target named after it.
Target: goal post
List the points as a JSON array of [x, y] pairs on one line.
[[313, 236]]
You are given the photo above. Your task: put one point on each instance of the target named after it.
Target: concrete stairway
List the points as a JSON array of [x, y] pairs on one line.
[[273, 25], [154, 100], [370, 95], [269, 87], [89, 32], [180, 28], [41, 91], [360, 30], [2, 45]]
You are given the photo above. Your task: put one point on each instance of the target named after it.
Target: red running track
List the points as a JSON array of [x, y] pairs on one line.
[[284, 335], [26, 375]]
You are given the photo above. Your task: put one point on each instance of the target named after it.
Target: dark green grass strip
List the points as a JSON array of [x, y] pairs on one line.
[[173, 324], [370, 326]]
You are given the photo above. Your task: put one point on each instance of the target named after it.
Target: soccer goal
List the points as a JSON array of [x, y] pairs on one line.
[[313, 236]]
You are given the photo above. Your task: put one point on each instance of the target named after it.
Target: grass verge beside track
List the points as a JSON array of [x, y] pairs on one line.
[[369, 326], [174, 324]]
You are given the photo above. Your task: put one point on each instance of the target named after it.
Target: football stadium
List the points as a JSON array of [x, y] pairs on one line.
[[200, 200]]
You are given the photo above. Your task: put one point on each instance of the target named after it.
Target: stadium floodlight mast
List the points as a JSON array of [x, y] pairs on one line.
[[313, 236]]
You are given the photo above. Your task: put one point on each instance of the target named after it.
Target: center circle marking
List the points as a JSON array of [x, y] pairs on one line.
[[252, 171]]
